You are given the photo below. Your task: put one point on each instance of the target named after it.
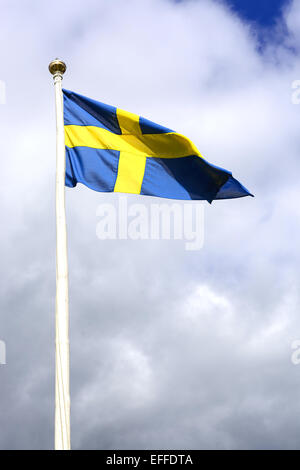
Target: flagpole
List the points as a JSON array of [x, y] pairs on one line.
[[62, 366]]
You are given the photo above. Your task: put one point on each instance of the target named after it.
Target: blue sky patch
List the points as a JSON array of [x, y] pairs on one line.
[[264, 12]]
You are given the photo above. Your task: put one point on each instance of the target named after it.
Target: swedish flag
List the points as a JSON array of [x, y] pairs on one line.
[[111, 150]]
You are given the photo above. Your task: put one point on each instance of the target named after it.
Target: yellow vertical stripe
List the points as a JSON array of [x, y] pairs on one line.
[[131, 167], [128, 122], [131, 171]]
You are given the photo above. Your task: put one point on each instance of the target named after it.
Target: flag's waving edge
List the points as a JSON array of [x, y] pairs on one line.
[[111, 150]]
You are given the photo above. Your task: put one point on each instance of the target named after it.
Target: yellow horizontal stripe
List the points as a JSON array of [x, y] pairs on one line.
[[131, 171], [170, 145], [129, 123]]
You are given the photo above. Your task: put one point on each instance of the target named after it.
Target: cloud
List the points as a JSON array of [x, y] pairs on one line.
[[169, 348]]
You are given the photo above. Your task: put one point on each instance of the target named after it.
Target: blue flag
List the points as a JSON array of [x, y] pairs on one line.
[[111, 150]]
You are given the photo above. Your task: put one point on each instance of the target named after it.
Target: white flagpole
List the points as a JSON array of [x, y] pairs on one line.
[[62, 366]]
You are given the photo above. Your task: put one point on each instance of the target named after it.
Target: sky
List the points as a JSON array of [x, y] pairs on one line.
[[264, 12], [170, 349]]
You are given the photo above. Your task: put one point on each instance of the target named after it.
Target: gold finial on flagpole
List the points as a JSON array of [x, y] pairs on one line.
[[57, 67]]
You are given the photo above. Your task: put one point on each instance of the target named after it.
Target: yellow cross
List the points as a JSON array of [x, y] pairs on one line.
[[134, 147]]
